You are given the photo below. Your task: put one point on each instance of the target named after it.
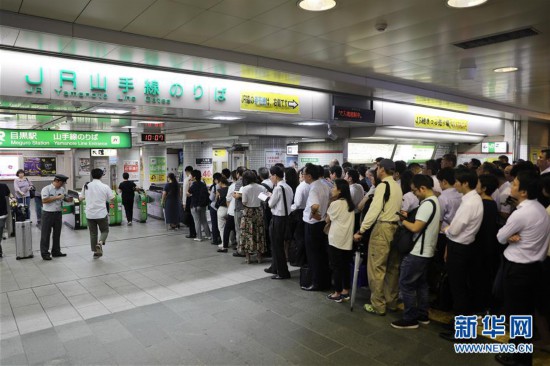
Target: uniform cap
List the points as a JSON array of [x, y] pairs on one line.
[[61, 177]]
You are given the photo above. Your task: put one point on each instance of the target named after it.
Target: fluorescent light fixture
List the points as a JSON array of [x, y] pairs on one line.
[[316, 5], [309, 123], [305, 139], [3, 115], [465, 3], [112, 111], [227, 118], [398, 132], [506, 69], [150, 123], [127, 126]]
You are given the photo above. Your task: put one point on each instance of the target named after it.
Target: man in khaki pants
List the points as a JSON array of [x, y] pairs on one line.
[[383, 262]]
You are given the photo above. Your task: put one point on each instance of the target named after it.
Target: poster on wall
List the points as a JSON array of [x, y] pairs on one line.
[[157, 169], [273, 157], [205, 165], [132, 168], [84, 166], [292, 161], [9, 165], [39, 167]]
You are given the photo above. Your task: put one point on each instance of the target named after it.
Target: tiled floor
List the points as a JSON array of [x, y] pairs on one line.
[[156, 298]]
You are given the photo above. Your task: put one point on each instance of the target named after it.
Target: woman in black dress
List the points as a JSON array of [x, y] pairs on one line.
[[171, 201]]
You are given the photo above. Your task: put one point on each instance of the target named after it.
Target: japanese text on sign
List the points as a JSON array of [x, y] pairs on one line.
[[270, 102], [440, 123], [68, 139]]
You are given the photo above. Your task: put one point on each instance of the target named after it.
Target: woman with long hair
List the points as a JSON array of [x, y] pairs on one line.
[[252, 223], [171, 201], [410, 201], [199, 202], [291, 178], [341, 217]]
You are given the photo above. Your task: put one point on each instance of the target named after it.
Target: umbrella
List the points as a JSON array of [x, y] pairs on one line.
[[356, 264]]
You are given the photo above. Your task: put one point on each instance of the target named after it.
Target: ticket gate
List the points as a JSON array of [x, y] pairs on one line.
[[115, 210], [154, 200], [140, 205], [74, 213]]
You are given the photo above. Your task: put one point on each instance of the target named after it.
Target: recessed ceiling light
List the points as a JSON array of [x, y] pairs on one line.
[[316, 5], [227, 118], [506, 69], [111, 111], [310, 123], [465, 3]]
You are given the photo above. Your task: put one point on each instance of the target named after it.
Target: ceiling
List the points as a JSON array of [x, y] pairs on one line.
[[416, 49]]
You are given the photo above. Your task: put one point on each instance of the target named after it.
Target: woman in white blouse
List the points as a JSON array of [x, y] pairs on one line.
[[410, 201], [252, 223], [341, 217]]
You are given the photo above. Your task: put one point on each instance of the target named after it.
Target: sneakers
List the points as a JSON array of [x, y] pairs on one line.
[[424, 320], [98, 250], [371, 310], [404, 324], [220, 246], [337, 299], [129, 223], [345, 297], [197, 239]]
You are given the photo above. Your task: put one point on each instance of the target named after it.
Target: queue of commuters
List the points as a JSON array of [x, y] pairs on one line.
[[483, 226]]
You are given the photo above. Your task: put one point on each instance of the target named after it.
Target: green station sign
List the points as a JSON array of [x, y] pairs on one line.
[[25, 139]]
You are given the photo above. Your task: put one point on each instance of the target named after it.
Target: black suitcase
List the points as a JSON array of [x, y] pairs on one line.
[[305, 277]]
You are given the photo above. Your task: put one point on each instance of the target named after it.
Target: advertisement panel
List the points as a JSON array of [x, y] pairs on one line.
[[39, 167], [157, 169], [132, 168]]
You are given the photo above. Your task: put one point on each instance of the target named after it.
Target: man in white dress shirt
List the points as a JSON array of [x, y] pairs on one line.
[[526, 232], [279, 202], [460, 234], [97, 195], [316, 242], [357, 193], [544, 161], [297, 250]]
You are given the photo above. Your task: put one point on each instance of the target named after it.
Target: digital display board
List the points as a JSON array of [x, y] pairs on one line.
[[152, 137], [494, 147], [413, 153], [353, 114], [363, 153]]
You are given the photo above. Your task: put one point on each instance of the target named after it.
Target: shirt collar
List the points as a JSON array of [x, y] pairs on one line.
[[525, 203], [469, 195]]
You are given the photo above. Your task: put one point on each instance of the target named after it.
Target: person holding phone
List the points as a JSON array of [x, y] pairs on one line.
[[52, 197]]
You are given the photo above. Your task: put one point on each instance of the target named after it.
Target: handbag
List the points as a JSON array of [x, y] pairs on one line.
[[288, 235], [326, 229], [403, 238], [32, 190]]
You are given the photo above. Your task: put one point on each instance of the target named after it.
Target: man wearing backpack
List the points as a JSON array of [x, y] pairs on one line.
[[383, 262], [413, 283]]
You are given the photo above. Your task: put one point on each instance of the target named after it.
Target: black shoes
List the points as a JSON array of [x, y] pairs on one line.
[[47, 257], [269, 270], [277, 277], [222, 250], [237, 254], [59, 255], [190, 236]]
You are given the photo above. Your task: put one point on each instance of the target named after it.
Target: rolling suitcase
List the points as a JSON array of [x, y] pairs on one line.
[[23, 239]]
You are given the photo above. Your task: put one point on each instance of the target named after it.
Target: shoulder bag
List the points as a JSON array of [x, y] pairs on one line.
[[403, 239]]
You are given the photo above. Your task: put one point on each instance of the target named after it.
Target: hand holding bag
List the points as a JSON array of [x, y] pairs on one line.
[[403, 239]]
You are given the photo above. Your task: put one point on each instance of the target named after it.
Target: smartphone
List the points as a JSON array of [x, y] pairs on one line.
[[401, 215]]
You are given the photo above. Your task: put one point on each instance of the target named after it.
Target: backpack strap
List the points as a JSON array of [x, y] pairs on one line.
[[425, 227]]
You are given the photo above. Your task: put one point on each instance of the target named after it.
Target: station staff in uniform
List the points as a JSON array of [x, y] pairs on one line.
[[52, 197]]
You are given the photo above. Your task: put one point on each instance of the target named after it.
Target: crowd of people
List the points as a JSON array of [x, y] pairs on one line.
[[481, 230]]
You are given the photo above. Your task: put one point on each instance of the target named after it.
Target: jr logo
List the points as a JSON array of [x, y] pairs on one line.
[[115, 140], [2, 137]]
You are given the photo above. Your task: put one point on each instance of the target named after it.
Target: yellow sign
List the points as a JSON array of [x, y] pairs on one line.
[[440, 123], [270, 102], [259, 73], [220, 153], [157, 178], [441, 104]]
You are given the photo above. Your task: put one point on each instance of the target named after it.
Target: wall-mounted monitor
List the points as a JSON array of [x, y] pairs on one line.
[[494, 147], [364, 153], [413, 153]]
